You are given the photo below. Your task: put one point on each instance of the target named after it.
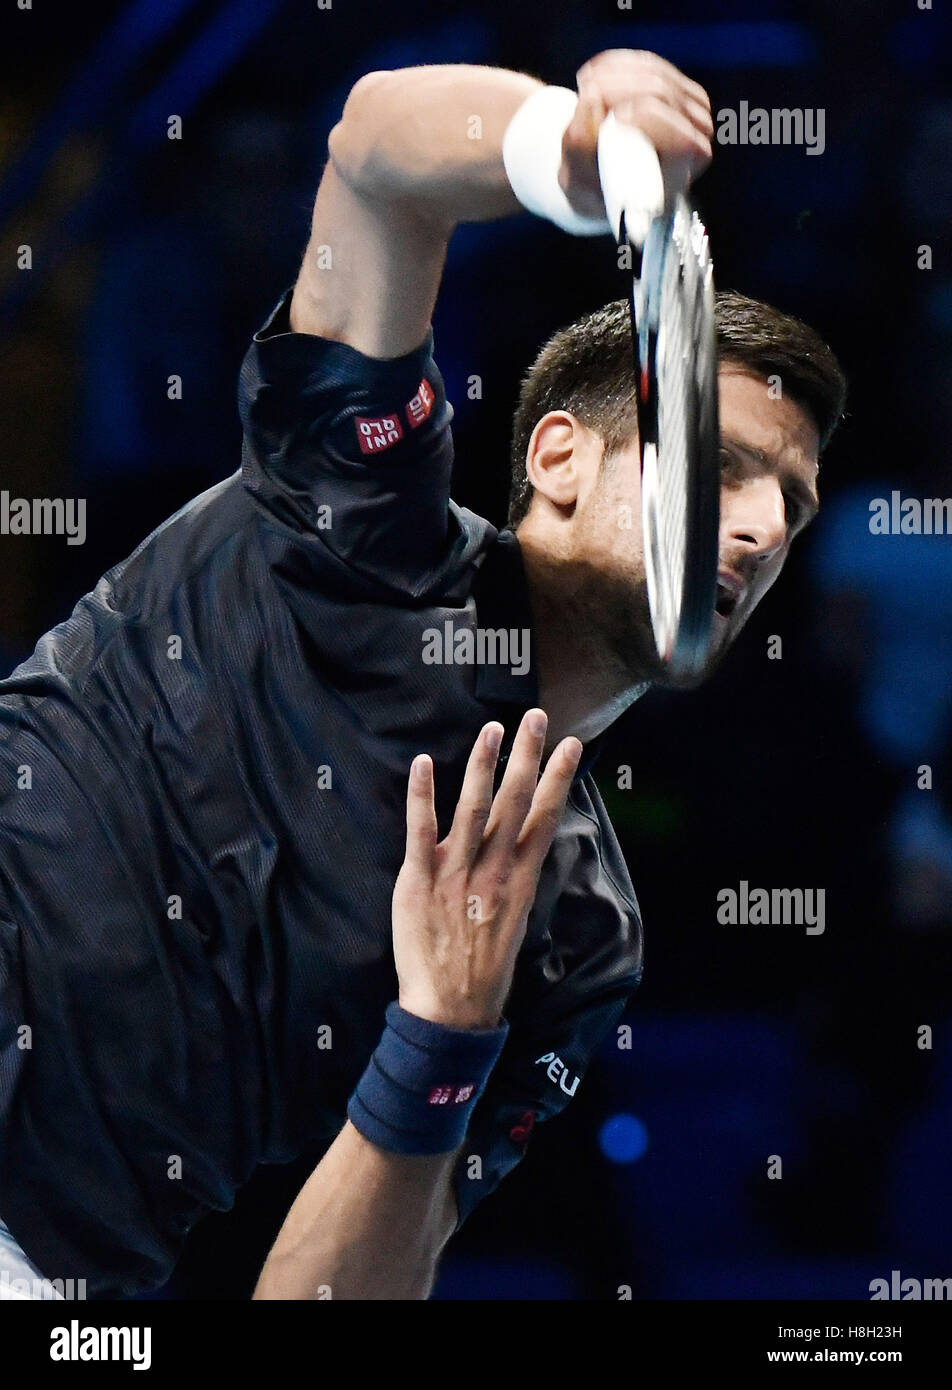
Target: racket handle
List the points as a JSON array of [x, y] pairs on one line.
[[630, 174]]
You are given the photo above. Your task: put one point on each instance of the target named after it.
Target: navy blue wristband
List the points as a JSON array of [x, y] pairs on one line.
[[422, 1083]]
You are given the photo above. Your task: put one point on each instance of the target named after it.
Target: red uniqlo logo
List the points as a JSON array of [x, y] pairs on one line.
[[419, 408], [450, 1095], [374, 435]]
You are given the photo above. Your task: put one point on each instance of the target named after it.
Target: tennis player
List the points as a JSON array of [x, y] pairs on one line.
[[323, 678]]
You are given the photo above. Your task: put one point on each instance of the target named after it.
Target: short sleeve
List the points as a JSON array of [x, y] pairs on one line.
[[347, 457]]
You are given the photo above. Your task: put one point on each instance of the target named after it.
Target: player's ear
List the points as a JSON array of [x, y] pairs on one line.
[[562, 457]]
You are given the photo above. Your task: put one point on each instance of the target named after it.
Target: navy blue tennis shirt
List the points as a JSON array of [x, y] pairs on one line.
[[203, 779]]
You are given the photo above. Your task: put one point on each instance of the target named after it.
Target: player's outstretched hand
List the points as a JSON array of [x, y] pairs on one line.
[[461, 905], [645, 91]]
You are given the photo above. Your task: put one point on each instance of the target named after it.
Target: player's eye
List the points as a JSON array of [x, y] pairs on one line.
[[793, 510], [729, 461]]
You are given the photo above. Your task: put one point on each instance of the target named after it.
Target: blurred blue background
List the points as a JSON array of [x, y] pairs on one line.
[[153, 257]]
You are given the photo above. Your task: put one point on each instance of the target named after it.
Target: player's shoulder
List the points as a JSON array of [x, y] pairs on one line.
[[207, 534], [189, 578]]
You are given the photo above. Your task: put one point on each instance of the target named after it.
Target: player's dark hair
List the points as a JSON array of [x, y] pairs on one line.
[[762, 339], [586, 369]]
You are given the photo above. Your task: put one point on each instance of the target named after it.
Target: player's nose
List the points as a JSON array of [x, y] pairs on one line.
[[753, 517]]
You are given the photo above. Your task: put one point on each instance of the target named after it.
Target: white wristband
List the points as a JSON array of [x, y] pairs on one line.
[[532, 154]]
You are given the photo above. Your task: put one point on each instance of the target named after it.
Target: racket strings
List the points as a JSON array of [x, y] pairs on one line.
[[675, 382], [675, 296]]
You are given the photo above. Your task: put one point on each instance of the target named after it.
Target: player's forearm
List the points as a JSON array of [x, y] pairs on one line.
[[367, 1224], [432, 137]]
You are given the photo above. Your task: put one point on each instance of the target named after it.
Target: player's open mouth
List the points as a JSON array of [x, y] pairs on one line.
[[725, 601], [730, 591]]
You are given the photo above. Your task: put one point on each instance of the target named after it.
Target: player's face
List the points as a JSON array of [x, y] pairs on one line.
[[769, 450], [769, 461]]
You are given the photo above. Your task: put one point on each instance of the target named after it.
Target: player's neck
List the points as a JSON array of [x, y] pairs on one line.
[[584, 682]]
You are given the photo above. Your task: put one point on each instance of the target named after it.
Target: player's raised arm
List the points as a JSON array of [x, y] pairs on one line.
[[418, 150]]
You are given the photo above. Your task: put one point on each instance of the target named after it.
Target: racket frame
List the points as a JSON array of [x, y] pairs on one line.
[[682, 608]]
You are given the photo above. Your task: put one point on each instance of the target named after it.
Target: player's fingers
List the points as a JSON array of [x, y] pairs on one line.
[[422, 827], [548, 805], [700, 116], [697, 127], [671, 134], [617, 88], [514, 797], [634, 63], [475, 799]]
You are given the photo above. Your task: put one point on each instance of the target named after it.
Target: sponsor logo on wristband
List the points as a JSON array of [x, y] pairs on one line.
[[451, 1095]]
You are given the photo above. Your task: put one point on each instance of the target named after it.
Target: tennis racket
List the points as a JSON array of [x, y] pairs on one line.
[[675, 364]]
